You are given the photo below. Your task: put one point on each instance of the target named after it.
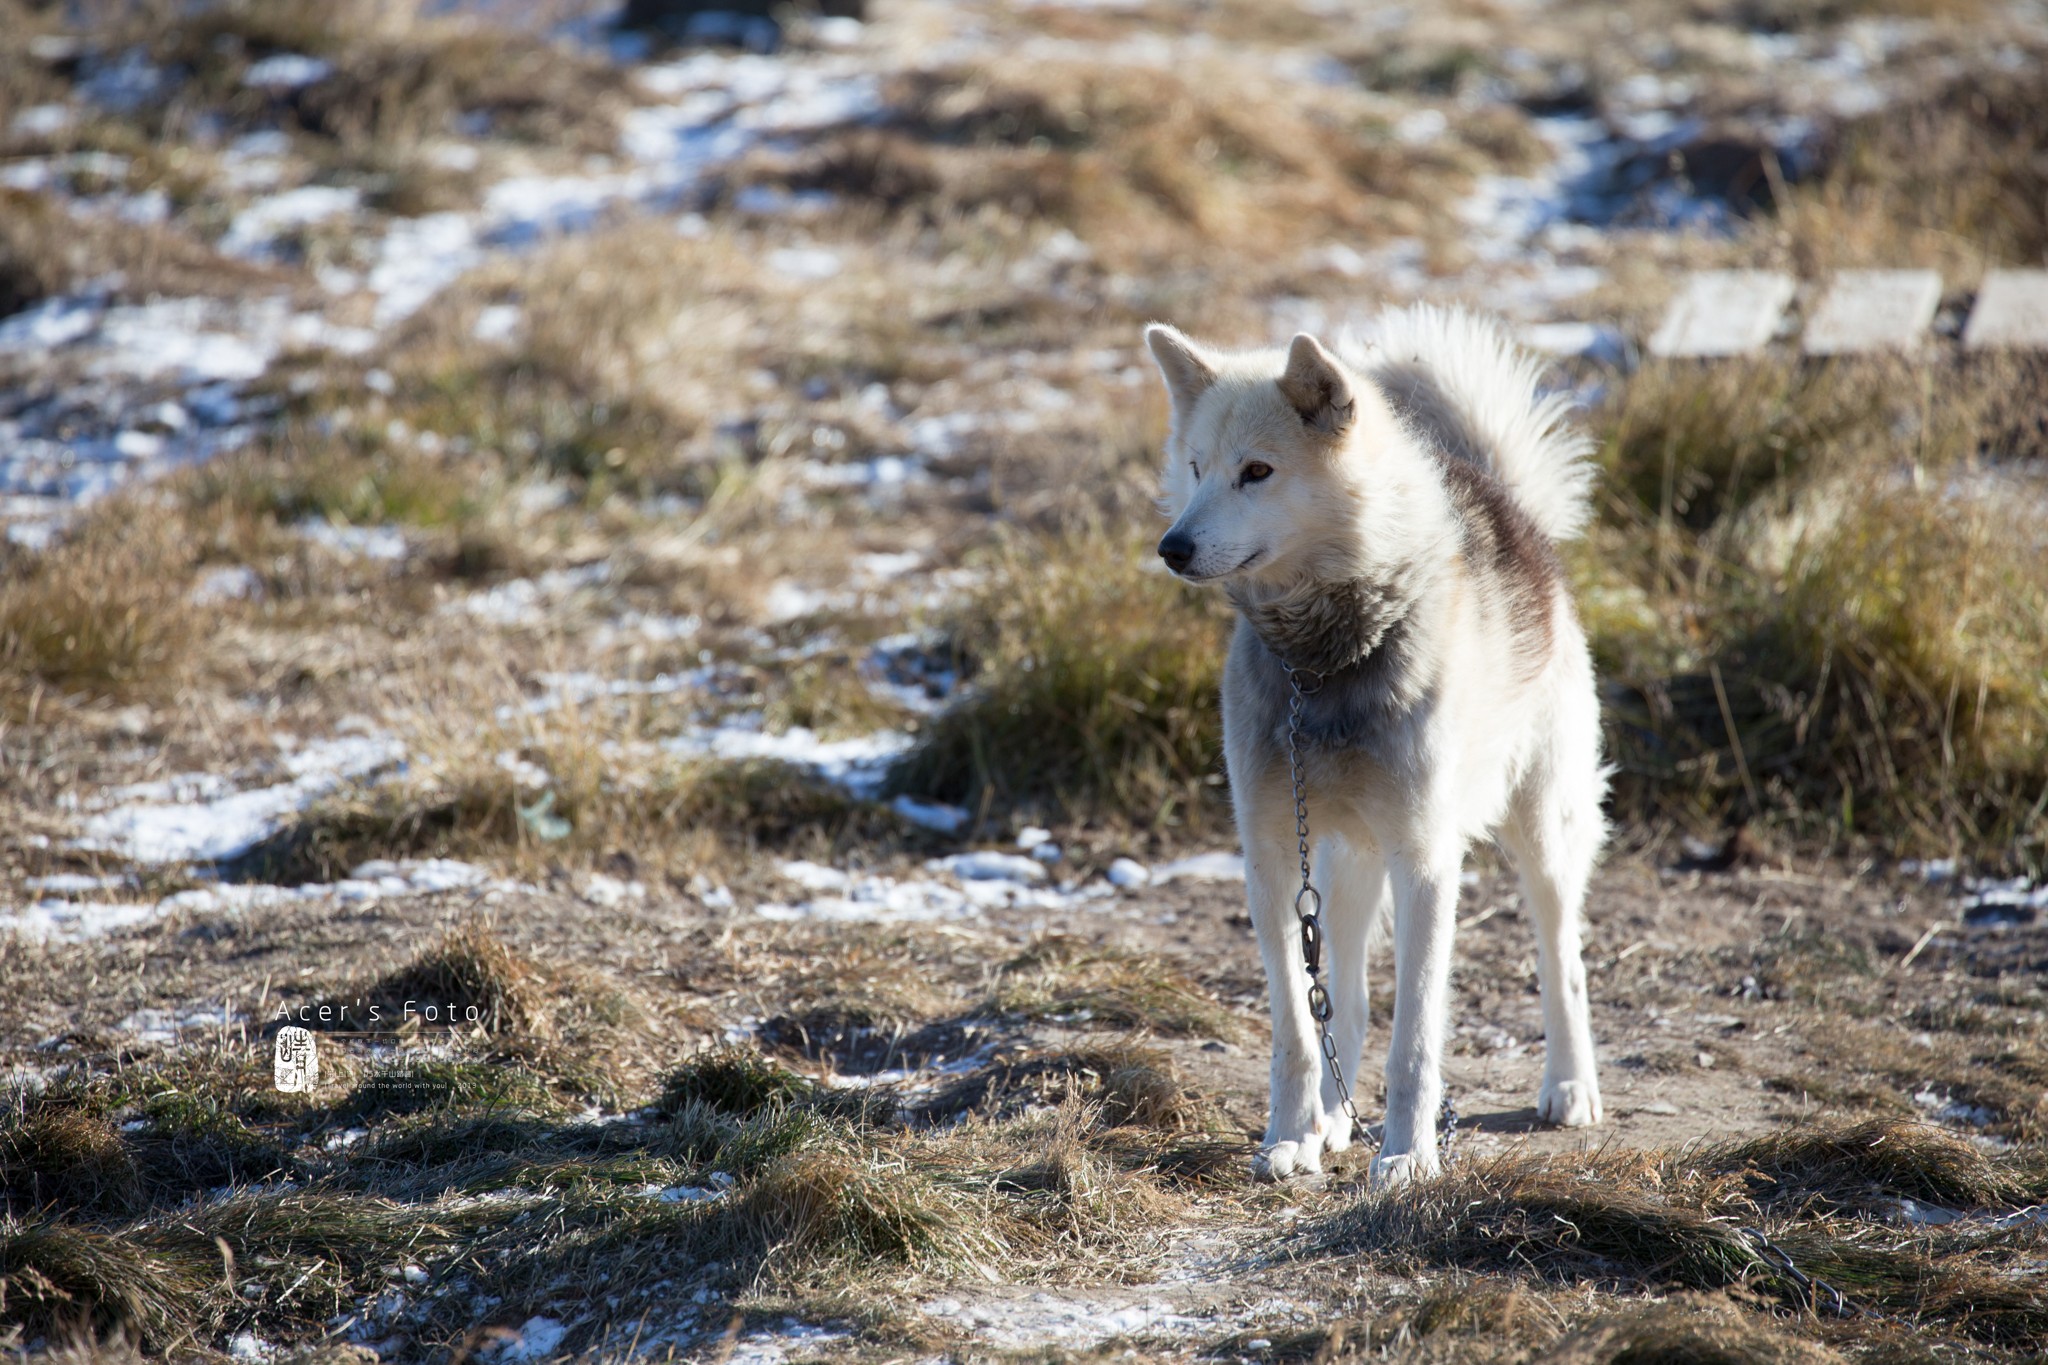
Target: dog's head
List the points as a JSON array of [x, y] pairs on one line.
[[1259, 478]]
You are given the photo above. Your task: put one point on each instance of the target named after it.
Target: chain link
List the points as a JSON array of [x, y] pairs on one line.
[[1815, 1293], [1308, 910]]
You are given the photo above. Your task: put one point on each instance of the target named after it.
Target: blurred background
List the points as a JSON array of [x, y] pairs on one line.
[[637, 524]]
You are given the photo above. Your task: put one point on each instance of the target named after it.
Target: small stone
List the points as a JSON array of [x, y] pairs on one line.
[[1873, 310], [2011, 310], [1664, 1107], [1705, 1059], [1723, 312]]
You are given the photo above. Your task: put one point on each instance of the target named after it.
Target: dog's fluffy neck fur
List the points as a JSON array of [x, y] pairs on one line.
[[1325, 626], [1340, 608]]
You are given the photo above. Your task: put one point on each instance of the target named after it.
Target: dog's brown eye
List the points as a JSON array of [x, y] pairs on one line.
[[1257, 471]]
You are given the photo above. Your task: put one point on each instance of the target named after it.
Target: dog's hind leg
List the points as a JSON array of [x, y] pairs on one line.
[[1296, 1127], [1553, 834], [1352, 876]]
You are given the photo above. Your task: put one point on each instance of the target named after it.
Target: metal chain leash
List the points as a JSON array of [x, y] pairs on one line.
[[1308, 910], [1814, 1293]]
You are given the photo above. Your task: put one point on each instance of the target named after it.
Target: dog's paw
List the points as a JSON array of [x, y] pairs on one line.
[[1279, 1160], [1569, 1104], [1390, 1171], [1336, 1131]]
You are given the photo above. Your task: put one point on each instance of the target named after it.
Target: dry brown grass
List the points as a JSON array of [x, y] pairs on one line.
[[106, 613], [1146, 165], [1066, 979], [400, 74], [474, 974], [46, 250], [1623, 1219], [1783, 570], [1465, 1320], [1691, 1330], [637, 344], [1095, 684], [1118, 1085], [65, 1158], [1953, 178]]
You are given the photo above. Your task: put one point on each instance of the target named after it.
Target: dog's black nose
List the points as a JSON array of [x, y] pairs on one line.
[[1177, 548]]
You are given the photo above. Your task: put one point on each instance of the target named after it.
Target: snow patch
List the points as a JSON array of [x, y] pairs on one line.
[[63, 921], [859, 765], [1046, 1319], [1202, 867], [255, 230], [536, 1339], [226, 826], [990, 866], [932, 815], [287, 71]]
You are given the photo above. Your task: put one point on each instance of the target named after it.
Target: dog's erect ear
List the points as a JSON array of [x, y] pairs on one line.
[[1315, 385], [1188, 372]]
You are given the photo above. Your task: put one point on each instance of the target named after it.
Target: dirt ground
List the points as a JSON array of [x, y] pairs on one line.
[[1690, 1037]]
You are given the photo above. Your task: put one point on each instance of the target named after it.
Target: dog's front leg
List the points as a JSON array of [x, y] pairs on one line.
[[1425, 914], [1295, 1128]]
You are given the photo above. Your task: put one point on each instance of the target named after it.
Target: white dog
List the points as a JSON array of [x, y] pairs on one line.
[[1385, 521]]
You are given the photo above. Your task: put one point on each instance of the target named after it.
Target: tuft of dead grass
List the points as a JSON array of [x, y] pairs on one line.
[[1847, 1166], [1628, 1219], [400, 75], [1122, 1085], [1094, 694], [63, 1157], [106, 613], [1820, 607], [68, 1283], [834, 1208], [1148, 165], [478, 979], [1513, 1213], [45, 250], [733, 1080], [1955, 177], [1691, 1330], [1063, 979]]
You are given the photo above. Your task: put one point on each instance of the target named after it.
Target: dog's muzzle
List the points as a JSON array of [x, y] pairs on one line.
[[1177, 548]]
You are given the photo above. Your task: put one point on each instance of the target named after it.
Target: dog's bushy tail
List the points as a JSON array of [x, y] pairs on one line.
[[1462, 380]]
